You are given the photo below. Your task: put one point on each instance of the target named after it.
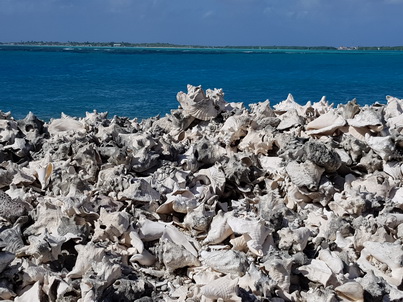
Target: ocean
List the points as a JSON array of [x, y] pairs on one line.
[[143, 82]]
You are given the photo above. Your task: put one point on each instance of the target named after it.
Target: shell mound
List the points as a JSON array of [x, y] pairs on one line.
[[214, 201]]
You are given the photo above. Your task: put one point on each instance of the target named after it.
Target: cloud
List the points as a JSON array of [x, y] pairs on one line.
[[208, 14]]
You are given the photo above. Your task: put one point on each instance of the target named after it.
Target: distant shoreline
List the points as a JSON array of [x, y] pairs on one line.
[[168, 45]]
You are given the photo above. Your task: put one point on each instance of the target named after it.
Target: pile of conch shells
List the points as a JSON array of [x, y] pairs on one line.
[[213, 202]]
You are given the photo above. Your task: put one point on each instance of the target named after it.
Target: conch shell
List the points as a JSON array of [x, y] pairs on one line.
[[199, 105]]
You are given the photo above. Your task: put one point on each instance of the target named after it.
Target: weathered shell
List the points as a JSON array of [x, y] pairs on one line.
[[349, 110], [352, 291], [322, 106], [219, 229], [383, 146], [326, 124], [11, 239], [8, 130], [111, 225], [305, 175], [296, 239], [199, 105], [368, 117], [322, 155], [280, 271], [198, 219], [222, 288], [290, 119], [234, 128], [255, 229], [175, 256], [181, 201], [332, 260], [262, 109], [215, 178], [65, 124], [85, 252], [11, 209], [317, 271], [227, 262], [384, 259], [288, 104]]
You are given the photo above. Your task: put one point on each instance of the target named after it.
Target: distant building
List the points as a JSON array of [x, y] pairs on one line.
[[347, 48], [117, 44]]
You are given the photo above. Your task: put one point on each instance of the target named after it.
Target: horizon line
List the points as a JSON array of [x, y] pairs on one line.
[[165, 44]]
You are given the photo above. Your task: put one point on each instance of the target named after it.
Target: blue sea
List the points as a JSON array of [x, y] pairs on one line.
[[143, 82]]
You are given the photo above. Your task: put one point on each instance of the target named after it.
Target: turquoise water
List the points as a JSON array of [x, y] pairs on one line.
[[139, 82]]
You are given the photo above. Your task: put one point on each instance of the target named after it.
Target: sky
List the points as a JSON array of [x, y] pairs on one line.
[[206, 22]]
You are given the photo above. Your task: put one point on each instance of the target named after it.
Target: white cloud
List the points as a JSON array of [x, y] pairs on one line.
[[208, 14]]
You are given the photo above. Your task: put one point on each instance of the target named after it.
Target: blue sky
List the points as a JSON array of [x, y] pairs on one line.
[[206, 22]]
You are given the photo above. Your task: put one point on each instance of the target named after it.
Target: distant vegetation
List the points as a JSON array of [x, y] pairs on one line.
[[168, 45]]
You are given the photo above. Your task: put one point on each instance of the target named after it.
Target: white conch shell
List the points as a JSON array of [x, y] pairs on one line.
[[367, 117], [383, 146], [257, 141], [180, 201], [198, 219], [200, 105], [290, 119], [376, 183], [289, 104], [153, 230], [262, 109], [144, 258], [215, 176], [219, 229], [384, 259], [150, 230], [322, 106], [111, 225], [180, 238], [240, 243], [326, 124], [85, 253], [332, 260], [317, 271], [393, 108], [176, 255], [222, 288], [350, 291], [255, 229], [306, 174], [280, 271], [394, 169], [271, 164], [234, 128], [296, 239], [225, 261], [64, 124], [395, 123]]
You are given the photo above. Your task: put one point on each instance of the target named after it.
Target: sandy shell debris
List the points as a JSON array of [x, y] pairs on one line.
[[212, 202]]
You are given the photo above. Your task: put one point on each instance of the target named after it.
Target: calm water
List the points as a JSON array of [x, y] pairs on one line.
[[144, 82]]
